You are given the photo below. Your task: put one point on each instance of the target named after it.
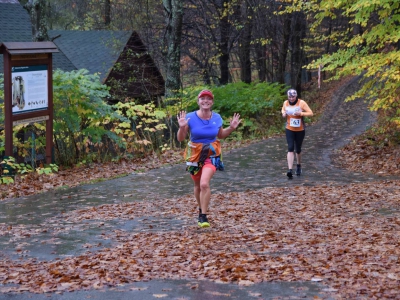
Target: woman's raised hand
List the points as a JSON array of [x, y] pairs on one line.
[[235, 121], [182, 119]]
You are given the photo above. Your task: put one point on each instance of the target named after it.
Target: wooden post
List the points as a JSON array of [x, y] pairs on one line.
[[7, 105], [49, 122]]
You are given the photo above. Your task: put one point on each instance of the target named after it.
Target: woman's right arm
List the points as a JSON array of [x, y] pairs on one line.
[[283, 110], [182, 133], [183, 126]]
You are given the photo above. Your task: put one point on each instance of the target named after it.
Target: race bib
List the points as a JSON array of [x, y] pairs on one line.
[[295, 122]]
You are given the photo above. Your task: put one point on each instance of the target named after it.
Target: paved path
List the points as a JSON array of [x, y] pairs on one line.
[[257, 166]]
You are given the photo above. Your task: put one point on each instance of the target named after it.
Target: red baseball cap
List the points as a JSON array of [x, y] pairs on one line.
[[206, 93]]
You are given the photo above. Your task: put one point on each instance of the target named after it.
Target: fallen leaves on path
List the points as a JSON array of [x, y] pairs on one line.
[[361, 154], [346, 237]]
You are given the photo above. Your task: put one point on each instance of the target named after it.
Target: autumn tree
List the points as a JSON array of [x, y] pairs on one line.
[[245, 39], [220, 41], [82, 14], [209, 36], [298, 56], [227, 38], [272, 34], [368, 47], [261, 41]]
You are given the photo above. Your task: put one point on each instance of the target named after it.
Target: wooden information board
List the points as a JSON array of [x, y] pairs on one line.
[[28, 88]]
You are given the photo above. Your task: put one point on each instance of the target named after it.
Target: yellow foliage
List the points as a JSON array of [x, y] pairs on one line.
[[124, 125]]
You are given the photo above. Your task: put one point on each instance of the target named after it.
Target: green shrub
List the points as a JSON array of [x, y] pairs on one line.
[[81, 116]]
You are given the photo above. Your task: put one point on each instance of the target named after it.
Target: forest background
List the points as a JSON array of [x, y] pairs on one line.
[[247, 52]]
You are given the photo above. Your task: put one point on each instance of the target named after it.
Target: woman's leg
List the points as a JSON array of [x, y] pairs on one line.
[[298, 158], [205, 190], [290, 160], [202, 191], [290, 155], [196, 189], [299, 137]]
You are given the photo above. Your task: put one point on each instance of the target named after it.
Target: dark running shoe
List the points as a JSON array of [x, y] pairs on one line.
[[289, 174], [298, 170], [198, 221], [203, 221]]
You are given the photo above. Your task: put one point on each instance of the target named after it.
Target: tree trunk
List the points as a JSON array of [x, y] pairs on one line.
[[328, 46], [245, 44], [107, 13], [261, 62], [174, 16], [224, 26], [37, 12], [297, 57], [284, 49], [205, 72]]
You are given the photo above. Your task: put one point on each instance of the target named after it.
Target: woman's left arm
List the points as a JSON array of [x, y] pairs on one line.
[[306, 110], [234, 123]]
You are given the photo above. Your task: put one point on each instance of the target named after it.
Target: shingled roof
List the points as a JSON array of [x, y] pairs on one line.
[[96, 51], [15, 24]]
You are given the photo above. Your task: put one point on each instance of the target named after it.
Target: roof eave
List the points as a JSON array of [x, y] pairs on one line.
[[28, 47]]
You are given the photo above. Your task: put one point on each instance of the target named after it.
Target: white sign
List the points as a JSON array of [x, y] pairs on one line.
[[29, 88]]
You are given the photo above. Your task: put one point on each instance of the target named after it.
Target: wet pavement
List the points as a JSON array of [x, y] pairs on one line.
[[181, 289], [256, 166]]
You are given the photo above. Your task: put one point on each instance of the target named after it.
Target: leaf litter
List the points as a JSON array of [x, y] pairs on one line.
[[346, 237], [335, 235]]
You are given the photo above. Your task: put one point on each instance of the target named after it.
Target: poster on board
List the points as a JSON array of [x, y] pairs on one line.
[[29, 88]]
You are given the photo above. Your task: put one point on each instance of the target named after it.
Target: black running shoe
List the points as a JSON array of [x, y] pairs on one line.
[[290, 174], [199, 216], [203, 221], [298, 170]]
